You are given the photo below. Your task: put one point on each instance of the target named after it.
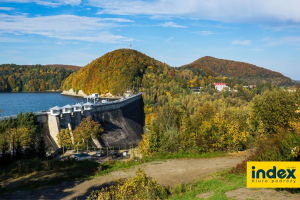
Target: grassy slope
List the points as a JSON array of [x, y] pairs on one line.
[[218, 183]]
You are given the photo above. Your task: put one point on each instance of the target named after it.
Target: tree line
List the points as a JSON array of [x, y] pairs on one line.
[[180, 120], [33, 78], [21, 138]]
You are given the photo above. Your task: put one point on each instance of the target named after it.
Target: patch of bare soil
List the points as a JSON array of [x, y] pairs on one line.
[[168, 173], [260, 194], [205, 195]]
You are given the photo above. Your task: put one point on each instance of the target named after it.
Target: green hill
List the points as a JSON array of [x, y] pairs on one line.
[[114, 72], [239, 70], [22, 78]]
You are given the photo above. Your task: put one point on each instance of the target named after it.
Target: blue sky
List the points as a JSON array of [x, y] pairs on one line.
[[265, 33]]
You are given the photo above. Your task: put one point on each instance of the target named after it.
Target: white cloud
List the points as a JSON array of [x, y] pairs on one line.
[[6, 8], [204, 32], [171, 24], [51, 3], [71, 2], [10, 40], [117, 19], [218, 10], [241, 42], [65, 27], [292, 40]]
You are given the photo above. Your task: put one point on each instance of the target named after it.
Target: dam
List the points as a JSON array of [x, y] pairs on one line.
[[122, 121]]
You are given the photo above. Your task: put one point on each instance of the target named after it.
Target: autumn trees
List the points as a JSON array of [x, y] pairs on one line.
[[83, 135], [177, 119], [115, 72], [23, 137], [64, 138], [239, 70], [18, 78], [276, 109]]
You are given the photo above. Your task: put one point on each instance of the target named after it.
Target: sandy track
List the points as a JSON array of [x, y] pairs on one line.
[[168, 172]]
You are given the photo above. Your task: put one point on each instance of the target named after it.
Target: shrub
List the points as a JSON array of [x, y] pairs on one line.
[[282, 146], [138, 187]]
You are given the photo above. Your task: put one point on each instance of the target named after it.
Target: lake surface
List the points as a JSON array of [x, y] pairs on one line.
[[14, 103]]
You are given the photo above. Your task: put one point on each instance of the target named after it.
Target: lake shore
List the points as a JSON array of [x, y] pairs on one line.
[[80, 93], [56, 91]]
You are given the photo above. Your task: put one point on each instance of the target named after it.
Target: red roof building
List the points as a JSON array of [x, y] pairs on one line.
[[219, 86]]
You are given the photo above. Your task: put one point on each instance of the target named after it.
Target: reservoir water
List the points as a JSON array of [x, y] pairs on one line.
[[14, 103]]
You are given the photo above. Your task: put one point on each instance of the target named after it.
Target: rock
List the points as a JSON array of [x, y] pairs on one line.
[[71, 92]]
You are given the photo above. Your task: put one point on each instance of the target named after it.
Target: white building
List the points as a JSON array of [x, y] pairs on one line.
[[55, 110], [91, 97], [78, 107], [220, 86], [88, 106], [67, 109]]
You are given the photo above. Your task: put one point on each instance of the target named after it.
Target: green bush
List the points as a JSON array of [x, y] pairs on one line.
[[137, 187], [279, 147]]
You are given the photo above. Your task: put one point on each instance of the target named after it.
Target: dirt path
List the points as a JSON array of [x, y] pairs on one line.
[[168, 172]]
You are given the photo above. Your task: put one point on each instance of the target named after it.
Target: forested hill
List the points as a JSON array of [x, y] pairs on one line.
[[22, 78], [239, 70], [114, 72], [67, 67]]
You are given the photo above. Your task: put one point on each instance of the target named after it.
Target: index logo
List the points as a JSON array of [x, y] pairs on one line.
[[273, 174]]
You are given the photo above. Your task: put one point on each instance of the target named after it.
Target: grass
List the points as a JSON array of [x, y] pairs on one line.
[[70, 170], [183, 154], [219, 183], [32, 174]]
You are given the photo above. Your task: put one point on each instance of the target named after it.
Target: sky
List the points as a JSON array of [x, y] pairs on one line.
[[264, 33]]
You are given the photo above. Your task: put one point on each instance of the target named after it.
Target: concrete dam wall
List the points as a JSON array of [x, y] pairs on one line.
[[123, 123]]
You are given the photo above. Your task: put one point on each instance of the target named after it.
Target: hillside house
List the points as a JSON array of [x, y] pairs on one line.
[[220, 86]]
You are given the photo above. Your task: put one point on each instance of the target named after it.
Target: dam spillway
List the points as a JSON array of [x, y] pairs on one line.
[[122, 121]]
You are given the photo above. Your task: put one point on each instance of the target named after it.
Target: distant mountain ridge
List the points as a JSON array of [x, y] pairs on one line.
[[249, 73], [33, 78], [67, 67]]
